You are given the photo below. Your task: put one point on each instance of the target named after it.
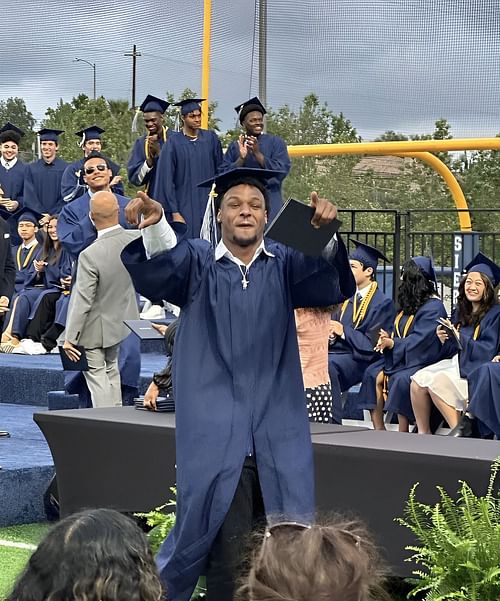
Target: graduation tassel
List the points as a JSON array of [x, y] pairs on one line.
[[135, 120], [38, 147], [209, 225], [177, 121]]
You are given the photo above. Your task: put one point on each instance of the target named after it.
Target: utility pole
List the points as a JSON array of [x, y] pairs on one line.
[[134, 54], [263, 52]]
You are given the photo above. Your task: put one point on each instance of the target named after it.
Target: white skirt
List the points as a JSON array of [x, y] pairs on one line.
[[443, 379]]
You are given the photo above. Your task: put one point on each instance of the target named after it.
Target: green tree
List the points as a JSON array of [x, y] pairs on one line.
[[15, 111], [391, 136]]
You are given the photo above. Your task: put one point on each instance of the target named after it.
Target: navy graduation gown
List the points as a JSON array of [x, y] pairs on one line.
[[137, 160], [73, 186], [237, 384], [276, 158], [24, 263], [348, 359], [183, 164], [42, 186], [419, 348], [484, 396], [12, 184], [74, 228]]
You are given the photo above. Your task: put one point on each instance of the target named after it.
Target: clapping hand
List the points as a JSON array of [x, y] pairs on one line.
[[384, 341]]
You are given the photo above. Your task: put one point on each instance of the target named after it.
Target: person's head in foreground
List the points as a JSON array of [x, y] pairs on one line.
[[95, 555], [295, 562]]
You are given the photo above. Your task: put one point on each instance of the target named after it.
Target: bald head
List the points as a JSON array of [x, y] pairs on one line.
[[104, 210]]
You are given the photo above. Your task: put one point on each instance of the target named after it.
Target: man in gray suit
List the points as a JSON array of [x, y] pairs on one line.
[[102, 298]]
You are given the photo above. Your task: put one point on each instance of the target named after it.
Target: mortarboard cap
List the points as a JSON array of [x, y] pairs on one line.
[[50, 135], [426, 267], [189, 105], [254, 104], [226, 180], [11, 127], [154, 104], [30, 215], [90, 133], [366, 254], [482, 264]]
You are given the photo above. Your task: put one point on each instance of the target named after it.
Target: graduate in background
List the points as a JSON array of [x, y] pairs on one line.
[[477, 326], [73, 182], [12, 173], [143, 162], [42, 184], [484, 400], [29, 248], [190, 157], [242, 433], [259, 150], [352, 327], [411, 345]]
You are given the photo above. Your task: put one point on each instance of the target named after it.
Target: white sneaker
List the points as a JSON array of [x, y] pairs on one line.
[[30, 347]]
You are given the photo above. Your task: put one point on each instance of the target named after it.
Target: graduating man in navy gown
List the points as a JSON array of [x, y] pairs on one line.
[[42, 183], [259, 150], [12, 172], [143, 162], [76, 232], [190, 157], [356, 323], [73, 182], [242, 432]]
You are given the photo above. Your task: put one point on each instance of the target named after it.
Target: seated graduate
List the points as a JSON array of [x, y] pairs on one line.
[[12, 174], [312, 336], [42, 183], [161, 384], [477, 325], [411, 345], [34, 306], [242, 434], [353, 326], [143, 161], [259, 150], [29, 248], [483, 410], [73, 182]]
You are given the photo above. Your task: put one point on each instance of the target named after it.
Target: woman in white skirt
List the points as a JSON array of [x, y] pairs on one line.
[[473, 340]]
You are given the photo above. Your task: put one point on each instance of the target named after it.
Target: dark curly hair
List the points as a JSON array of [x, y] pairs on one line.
[[464, 314], [163, 378], [332, 562], [415, 288], [95, 555]]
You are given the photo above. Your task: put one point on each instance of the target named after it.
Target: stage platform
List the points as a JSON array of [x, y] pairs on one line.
[[125, 459]]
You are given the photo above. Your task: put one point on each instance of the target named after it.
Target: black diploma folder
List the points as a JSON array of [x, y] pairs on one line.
[[68, 365], [292, 226], [143, 329], [452, 334]]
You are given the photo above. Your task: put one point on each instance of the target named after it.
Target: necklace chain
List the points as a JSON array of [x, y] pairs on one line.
[[244, 272]]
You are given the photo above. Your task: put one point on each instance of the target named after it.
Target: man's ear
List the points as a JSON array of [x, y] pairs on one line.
[[218, 216]]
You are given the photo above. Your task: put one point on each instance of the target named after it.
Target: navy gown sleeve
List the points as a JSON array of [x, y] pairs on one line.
[[72, 185], [135, 163], [30, 191], [181, 269], [421, 345], [117, 188], [276, 155], [230, 158], [165, 187], [476, 352], [359, 340], [74, 228]]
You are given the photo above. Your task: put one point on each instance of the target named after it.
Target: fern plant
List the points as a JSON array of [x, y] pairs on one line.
[[458, 543], [161, 520]]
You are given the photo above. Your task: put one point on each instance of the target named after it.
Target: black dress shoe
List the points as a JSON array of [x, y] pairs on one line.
[[466, 428], [4, 434]]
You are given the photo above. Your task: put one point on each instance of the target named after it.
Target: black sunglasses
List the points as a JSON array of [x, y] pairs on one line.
[[101, 167]]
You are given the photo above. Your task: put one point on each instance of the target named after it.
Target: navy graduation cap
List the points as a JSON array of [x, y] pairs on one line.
[[425, 265], [366, 254], [50, 135], [30, 215], [90, 133], [153, 104], [189, 105], [254, 104], [226, 180], [482, 264], [11, 127]]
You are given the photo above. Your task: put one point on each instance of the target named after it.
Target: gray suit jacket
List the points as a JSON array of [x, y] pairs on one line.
[[103, 295]]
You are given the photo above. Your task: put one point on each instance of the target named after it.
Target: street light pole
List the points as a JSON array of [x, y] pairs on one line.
[[93, 65]]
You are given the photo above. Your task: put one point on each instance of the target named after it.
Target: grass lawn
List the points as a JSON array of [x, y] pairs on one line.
[[13, 559]]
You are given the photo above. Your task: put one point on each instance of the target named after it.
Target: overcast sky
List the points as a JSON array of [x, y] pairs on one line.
[[386, 64]]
